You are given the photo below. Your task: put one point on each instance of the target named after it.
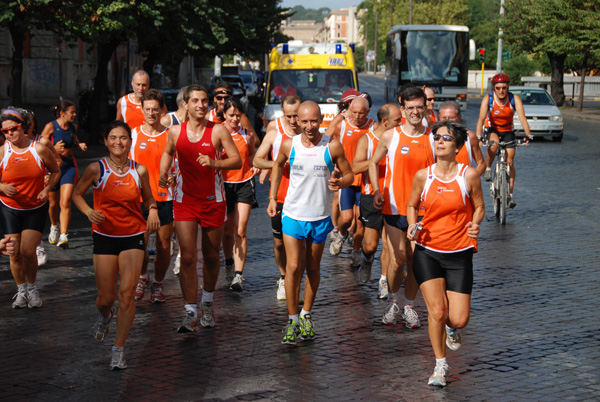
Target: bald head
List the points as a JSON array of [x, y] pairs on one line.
[[359, 111], [140, 83], [309, 117]]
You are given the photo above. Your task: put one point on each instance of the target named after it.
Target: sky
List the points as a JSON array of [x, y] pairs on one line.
[[316, 4]]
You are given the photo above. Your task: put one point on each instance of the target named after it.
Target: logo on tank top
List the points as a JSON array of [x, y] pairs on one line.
[[349, 133], [404, 150], [496, 112], [205, 144], [142, 145], [20, 159], [210, 198]]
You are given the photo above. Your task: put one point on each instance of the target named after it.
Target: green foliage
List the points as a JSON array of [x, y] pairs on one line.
[[519, 66], [301, 13]]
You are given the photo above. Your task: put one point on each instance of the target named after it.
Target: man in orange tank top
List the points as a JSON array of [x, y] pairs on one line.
[[129, 107], [192, 205], [430, 115]]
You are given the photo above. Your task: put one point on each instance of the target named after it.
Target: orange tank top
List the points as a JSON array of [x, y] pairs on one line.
[[212, 116], [405, 157], [243, 174], [447, 209], [501, 116], [131, 112], [25, 170], [366, 187], [349, 136], [118, 197], [147, 150]]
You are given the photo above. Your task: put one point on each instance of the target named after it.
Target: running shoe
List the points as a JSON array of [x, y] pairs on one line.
[[511, 202], [53, 236], [229, 272], [63, 241], [487, 175], [350, 240], [207, 319], [237, 283], [177, 264], [336, 245], [453, 339], [33, 298], [117, 360], [157, 295], [281, 289], [411, 317], [364, 273], [333, 233], [42, 258], [382, 290], [440, 376], [290, 333], [152, 244], [20, 299], [141, 288], [189, 323], [392, 309], [356, 257], [101, 328], [307, 329]]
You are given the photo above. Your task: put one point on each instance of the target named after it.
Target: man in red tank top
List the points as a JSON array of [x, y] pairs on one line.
[[199, 199]]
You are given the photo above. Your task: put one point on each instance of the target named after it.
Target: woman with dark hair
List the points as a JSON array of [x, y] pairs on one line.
[[23, 196], [118, 229], [450, 195], [62, 133]]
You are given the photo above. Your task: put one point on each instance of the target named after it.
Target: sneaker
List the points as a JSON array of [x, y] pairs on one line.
[[42, 258], [281, 289], [487, 175], [229, 272], [364, 272], [63, 241], [511, 202], [53, 236], [207, 319], [141, 288], [440, 376], [177, 264], [336, 245], [152, 244], [102, 328], [307, 329], [189, 323], [356, 257], [453, 339], [392, 309], [350, 240], [333, 233], [290, 333], [236, 283], [33, 298], [117, 360], [156, 295], [411, 317], [382, 290], [20, 300]]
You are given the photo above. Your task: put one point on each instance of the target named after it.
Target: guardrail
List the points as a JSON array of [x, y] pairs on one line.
[[571, 85]]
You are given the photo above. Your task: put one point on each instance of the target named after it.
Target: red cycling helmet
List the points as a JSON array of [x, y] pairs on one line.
[[501, 77]]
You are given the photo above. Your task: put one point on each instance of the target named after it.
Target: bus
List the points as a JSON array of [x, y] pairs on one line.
[[320, 72], [433, 55]]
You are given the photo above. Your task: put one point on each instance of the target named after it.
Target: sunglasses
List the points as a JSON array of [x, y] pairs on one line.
[[220, 98], [501, 88], [430, 99], [10, 129], [445, 137]]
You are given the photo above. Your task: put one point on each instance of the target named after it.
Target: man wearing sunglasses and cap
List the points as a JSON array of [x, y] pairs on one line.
[[222, 93]]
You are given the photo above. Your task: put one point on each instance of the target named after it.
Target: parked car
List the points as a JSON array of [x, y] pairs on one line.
[[249, 83], [543, 116]]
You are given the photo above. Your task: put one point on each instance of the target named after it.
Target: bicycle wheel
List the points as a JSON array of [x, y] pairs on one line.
[[495, 193], [503, 195]]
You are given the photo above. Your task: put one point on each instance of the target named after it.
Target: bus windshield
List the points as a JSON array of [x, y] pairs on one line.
[[319, 85]]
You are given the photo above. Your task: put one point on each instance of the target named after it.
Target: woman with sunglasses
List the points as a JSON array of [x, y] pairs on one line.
[[240, 195], [63, 134], [450, 195], [23, 196], [118, 229]]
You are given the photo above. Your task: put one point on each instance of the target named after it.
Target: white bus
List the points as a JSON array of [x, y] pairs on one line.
[[432, 55]]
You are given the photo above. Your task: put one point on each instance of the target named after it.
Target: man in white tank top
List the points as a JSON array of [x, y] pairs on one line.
[[316, 163]]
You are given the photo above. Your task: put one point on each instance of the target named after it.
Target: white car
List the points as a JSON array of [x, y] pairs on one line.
[[543, 116]]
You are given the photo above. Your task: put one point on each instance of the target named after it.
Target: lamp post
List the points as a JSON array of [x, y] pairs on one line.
[[375, 44]]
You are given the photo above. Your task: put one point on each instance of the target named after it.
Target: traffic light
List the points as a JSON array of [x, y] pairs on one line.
[[481, 55]]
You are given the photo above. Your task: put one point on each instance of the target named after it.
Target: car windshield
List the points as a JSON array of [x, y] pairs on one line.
[[533, 97], [247, 79], [319, 85]]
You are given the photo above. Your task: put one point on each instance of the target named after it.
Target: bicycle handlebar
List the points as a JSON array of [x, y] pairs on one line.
[[505, 144]]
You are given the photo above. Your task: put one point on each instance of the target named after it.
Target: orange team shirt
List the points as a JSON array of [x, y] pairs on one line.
[[118, 197], [147, 150], [243, 174], [465, 155], [212, 116], [366, 187], [447, 210], [285, 177], [406, 155], [501, 116], [25, 170], [131, 112], [349, 136]]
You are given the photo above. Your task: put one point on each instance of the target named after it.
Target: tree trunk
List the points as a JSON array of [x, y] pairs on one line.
[[99, 102], [557, 89], [16, 72], [582, 84]]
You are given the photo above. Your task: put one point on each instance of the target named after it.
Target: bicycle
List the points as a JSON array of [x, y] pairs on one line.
[[500, 185]]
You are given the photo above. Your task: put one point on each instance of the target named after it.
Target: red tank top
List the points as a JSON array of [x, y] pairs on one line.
[[25, 170], [196, 183], [118, 197]]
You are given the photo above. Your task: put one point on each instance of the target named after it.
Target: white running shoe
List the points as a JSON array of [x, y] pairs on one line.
[[53, 236], [382, 291], [392, 309], [63, 241], [117, 360], [237, 283], [281, 289], [42, 258], [336, 245], [453, 339], [411, 317], [207, 319], [20, 299], [33, 298], [440, 376]]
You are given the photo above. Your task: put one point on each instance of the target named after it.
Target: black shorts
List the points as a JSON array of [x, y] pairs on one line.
[[115, 245], [370, 216], [455, 268], [165, 212], [505, 136], [14, 221], [399, 221], [276, 225], [240, 192]]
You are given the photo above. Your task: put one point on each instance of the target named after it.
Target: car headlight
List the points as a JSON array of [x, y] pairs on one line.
[[556, 118]]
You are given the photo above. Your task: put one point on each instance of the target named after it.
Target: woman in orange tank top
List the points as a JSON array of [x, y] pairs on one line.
[[450, 195], [118, 232]]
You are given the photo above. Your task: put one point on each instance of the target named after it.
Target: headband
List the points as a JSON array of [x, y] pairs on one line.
[[14, 113]]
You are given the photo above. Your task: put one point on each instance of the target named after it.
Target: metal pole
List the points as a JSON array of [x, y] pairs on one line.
[[499, 59], [482, 80], [366, 42], [375, 44]]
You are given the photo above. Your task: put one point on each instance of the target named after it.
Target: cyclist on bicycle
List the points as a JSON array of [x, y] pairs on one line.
[[496, 113]]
